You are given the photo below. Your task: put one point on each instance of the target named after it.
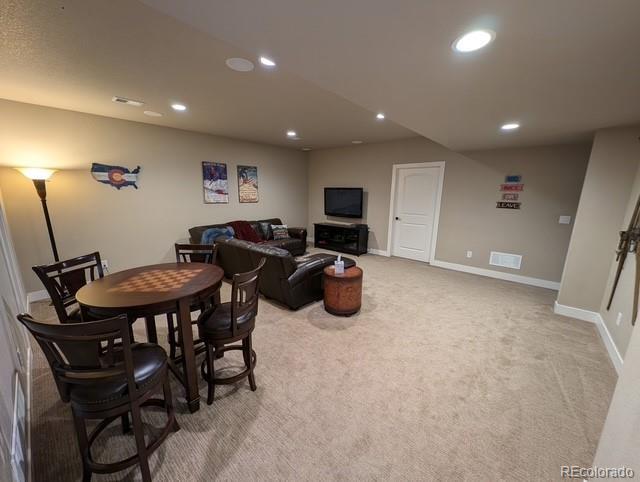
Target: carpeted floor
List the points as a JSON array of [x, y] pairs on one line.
[[441, 376]]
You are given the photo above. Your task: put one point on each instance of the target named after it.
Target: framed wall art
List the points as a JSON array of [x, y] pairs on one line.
[[248, 184], [215, 183]]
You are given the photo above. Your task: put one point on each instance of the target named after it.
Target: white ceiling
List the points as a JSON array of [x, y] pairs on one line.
[[563, 68], [78, 54]]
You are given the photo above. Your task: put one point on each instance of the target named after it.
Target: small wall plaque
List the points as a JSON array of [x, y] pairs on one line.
[[507, 205], [116, 176], [511, 187]]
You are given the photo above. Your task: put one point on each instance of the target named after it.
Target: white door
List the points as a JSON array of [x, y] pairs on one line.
[[414, 215]]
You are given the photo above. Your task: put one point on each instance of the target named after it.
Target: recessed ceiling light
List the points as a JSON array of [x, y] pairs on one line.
[[472, 41], [239, 64], [511, 126], [356, 142], [267, 62], [306, 148], [152, 113], [291, 134], [179, 107], [380, 116]]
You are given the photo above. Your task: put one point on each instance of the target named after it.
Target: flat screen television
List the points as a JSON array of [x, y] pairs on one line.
[[344, 202]]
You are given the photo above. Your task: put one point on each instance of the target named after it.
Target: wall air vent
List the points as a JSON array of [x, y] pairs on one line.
[[505, 260], [123, 100]]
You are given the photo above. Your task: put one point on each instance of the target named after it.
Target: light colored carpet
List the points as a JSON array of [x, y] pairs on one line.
[[442, 376]]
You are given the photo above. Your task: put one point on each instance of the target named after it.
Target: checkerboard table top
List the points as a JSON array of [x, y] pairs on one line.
[[149, 285], [156, 280]]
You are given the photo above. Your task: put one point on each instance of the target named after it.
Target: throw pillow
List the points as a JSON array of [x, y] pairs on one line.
[[280, 231], [267, 232]]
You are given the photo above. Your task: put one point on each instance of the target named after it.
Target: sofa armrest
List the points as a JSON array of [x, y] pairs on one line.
[[310, 268], [315, 266], [299, 233]]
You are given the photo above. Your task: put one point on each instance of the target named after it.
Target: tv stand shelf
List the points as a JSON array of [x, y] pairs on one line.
[[344, 238]]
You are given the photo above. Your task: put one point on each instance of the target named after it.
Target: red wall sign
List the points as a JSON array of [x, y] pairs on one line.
[[511, 187]]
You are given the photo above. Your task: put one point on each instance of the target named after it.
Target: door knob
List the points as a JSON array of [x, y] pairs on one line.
[[397, 218]]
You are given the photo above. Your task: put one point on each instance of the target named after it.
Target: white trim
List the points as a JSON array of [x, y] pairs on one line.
[[22, 304], [29, 405], [37, 296], [577, 313], [378, 252], [612, 349], [20, 474], [596, 318], [436, 218], [9, 257], [516, 278]]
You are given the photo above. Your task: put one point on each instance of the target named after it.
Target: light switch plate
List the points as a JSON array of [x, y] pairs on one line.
[[564, 220]]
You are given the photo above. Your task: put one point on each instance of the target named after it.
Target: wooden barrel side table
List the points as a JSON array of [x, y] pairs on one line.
[[342, 292]]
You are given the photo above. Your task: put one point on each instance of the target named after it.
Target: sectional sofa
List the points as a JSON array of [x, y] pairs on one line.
[[296, 244]]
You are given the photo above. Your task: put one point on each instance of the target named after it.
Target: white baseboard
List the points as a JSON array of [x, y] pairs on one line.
[[36, 296], [516, 278], [379, 252], [29, 406], [594, 317], [612, 349], [577, 313]]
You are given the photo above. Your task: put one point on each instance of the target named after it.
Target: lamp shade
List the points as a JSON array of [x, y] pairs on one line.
[[36, 173]]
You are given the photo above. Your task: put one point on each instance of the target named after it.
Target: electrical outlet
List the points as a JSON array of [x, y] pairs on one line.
[[469, 254], [105, 265], [618, 319]]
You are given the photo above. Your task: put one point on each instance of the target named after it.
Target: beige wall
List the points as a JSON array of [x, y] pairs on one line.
[[469, 219], [623, 299], [604, 201], [129, 227], [620, 439]]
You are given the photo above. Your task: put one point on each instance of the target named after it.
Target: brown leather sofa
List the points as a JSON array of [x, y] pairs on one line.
[[292, 281], [296, 244]]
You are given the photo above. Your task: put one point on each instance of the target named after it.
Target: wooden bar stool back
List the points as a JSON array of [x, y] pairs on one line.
[[196, 253], [190, 253], [63, 279], [105, 377], [227, 323]]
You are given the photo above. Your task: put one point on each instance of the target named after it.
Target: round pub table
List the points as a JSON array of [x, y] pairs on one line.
[[154, 290], [342, 292]]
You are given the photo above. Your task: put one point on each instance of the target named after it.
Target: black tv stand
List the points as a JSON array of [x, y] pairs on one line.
[[344, 238]]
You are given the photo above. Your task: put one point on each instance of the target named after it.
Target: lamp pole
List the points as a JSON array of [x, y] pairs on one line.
[[42, 193]]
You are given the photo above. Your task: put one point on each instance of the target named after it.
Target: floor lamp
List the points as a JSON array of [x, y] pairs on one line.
[[39, 177]]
